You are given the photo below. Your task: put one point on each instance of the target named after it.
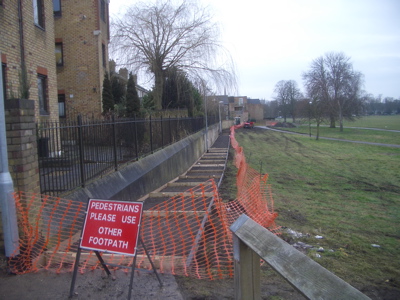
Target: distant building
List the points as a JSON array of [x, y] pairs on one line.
[[240, 107], [255, 108]]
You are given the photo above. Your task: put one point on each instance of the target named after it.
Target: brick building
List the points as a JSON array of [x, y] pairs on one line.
[[27, 37], [255, 109], [64, 48], [240, 107], [81, 46], [27, 47]]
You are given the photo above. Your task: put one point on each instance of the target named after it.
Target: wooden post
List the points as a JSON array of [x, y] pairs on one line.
[[247, 271], [307, 276]]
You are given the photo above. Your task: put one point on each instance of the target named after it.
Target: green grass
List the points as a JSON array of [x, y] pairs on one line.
[[350, 131], [391, 122], [348, 193]]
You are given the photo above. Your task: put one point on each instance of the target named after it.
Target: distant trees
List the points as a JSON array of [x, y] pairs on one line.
[[332, 82], [333, 94], [159, 37], [148, 101], [118, 88], [179, 92], [107, 96], [287, 95], [378, 106], [271, 109], [132, 98]]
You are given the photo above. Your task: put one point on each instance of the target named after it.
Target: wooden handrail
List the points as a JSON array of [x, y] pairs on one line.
[[307, 276]]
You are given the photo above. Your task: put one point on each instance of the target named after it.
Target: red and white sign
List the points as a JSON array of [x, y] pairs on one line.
[[112, 226]]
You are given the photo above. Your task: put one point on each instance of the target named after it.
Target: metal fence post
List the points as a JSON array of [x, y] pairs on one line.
[[170, 133], [81, 153], [151, 137], [114, 143], [162, 133], [136, 137]]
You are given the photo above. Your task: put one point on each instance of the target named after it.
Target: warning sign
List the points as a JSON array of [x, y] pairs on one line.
[[112, 226]]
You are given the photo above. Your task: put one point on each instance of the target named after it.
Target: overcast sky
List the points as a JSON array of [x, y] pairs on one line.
[[273, 40]]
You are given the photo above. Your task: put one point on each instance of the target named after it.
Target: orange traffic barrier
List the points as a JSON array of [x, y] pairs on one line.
[[186, 235]]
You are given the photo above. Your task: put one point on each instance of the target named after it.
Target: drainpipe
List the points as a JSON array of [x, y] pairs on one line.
[[8, 211], [21, 34]]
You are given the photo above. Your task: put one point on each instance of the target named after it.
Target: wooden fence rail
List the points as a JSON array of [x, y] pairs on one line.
[[252, 241]]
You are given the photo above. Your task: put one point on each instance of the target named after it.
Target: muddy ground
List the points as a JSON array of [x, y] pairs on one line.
[[97, 285]]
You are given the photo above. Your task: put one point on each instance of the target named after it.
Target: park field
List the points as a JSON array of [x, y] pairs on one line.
[[347, 193], [385, 129]]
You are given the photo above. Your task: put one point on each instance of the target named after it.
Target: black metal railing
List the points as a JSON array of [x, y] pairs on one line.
[[74, 153]]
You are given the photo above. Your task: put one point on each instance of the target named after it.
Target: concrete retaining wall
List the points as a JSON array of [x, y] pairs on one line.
[[146, 175]]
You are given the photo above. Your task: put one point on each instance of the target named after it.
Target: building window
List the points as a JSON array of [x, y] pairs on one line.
[[61, 106], [103, 52], [3, 72], [103, 10], [59, 54], [38, 13], [57, 8], [42, 94]]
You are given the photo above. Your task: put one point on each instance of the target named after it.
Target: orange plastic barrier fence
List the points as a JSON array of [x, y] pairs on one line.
[[185, 235]]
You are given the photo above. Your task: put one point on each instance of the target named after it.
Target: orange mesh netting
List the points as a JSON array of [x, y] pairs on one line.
[[186, 235]]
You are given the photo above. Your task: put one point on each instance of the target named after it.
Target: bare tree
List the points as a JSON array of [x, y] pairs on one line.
[[318, 113], [158, 37], [287, 94], [295, 95], [332, 80]]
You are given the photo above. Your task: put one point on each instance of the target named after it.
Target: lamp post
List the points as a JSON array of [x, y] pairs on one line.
[[309, 118], [219, 113], [205, 112]]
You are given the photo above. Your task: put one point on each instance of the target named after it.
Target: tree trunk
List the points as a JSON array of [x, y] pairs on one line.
[[317, 136], [340, 118], [332, 122], [158, 89]]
